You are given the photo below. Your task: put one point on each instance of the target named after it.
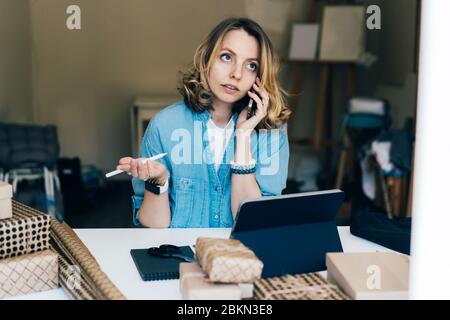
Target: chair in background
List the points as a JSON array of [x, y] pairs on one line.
[[366, 117], [29, 153]]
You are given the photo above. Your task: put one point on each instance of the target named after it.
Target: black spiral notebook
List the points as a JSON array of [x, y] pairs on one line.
[[157, 268]]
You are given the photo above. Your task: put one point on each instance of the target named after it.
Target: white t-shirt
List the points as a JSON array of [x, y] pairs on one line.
[[218, 139]]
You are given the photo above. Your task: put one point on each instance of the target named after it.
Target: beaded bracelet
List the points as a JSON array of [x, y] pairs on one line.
[[243, 168], [243, 171]]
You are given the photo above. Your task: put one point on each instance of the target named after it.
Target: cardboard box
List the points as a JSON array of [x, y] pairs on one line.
[[5, 200], [227, 260], [306, 286], [27, 231], [370, 276], [195, 286], [28, 273], [247, 290]]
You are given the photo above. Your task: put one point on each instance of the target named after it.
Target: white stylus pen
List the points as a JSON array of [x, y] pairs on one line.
[[113, 173]]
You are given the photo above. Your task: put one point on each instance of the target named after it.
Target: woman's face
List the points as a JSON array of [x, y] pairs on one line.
[[234, 70]]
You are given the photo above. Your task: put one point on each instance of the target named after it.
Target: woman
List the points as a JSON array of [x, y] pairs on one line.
[[218, 153]]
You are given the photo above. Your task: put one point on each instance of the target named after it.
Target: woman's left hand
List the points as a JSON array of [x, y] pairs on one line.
[[262, 105]]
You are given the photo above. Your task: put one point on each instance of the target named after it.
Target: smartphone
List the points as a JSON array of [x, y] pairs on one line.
[[251, 107]]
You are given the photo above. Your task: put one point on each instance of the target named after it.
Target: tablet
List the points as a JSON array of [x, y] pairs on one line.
[[290, 233]]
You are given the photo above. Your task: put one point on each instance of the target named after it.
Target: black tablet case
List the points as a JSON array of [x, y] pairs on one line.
[[291, 234], [157, 268]]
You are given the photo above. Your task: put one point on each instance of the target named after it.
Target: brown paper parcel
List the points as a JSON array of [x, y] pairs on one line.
[[195, 286], [28, 273], [309, 286], [27, 231], [227, 260], [75, 260]]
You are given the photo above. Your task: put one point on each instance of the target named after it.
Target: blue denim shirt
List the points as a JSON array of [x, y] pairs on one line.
[[200, 196]]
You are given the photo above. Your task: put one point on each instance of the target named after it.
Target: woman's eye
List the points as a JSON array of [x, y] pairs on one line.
[[253, 66], [225, 57]]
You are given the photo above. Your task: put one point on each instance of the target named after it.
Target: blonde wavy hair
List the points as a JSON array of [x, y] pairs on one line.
[[193, 84]]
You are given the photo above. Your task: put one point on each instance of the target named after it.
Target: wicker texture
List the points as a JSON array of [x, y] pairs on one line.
[[227, 260], [309, 286], [28, 273]]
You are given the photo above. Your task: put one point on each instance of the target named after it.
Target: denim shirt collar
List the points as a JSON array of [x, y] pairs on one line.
[[204, 116]]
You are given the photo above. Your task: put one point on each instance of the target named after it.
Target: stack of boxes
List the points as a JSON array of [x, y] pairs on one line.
[[226, 271], [27, 264]]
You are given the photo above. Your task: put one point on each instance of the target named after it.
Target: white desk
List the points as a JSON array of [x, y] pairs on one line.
[[111, 248]]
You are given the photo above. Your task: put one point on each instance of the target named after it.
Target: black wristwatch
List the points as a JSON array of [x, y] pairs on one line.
[[155, 188]]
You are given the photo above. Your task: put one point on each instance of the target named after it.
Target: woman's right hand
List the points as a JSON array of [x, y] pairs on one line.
[[144, 169]]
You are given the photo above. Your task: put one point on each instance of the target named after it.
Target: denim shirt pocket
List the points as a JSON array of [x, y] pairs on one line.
[[188, 197]]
